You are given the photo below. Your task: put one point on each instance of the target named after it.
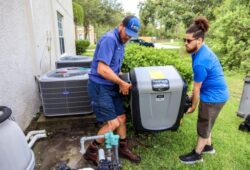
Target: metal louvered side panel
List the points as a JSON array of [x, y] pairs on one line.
[[65, 98]]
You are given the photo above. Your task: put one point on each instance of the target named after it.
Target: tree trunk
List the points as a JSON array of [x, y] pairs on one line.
[[76, 32], [86, 31], [97, 30]]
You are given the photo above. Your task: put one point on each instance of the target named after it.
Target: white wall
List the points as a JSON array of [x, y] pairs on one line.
[[25, 30], [42, 24], [18, 89], [44, 14], [65, 8]]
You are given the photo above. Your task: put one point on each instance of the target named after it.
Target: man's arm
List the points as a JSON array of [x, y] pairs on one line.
[[195, 96], [105, 71]]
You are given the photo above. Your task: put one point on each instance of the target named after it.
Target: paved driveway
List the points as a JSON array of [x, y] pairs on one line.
[[159, 45]]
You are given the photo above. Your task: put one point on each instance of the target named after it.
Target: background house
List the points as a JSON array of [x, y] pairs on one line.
[[91, 34], [33, 35]]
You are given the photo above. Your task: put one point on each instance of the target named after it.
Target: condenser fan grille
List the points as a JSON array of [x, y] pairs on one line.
[[68, 72]]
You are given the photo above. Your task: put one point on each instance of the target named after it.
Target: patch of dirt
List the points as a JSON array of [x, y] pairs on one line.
[[57, 149]]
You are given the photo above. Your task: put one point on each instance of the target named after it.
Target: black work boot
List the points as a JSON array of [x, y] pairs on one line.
[[127, 153], [91, 153]]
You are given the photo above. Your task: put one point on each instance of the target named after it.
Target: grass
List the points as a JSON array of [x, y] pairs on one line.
[[92, 46], [88, 53], [161, 150]]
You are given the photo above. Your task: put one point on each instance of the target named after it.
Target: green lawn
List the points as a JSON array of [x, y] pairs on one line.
[[161, 150], [88, 53]]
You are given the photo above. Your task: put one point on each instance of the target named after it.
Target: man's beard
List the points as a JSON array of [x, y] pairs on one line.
[[190, 51], [124, 41]]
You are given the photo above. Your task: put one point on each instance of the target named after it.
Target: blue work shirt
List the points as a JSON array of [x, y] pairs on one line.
[[207, 69], [109, 50]]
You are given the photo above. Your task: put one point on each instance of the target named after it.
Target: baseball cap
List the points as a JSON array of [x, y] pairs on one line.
[[132, 25]]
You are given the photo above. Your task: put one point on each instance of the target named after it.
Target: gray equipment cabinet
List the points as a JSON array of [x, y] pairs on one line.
[[64, 92], [157, 98], [244, 107]]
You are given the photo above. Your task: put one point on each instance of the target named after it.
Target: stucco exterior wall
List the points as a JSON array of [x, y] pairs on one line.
[[18, 88], [65, 8], [29, 47], [44, 14]]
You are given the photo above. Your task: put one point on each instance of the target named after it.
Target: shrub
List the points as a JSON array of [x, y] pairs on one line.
[[139, 56], [81, 46], [230, 35]]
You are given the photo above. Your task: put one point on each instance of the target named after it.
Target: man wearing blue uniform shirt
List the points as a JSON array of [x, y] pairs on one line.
[[209, 88], [106, 89]]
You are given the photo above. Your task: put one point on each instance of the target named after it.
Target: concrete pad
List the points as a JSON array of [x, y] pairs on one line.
[[63, 142], [57, 149]]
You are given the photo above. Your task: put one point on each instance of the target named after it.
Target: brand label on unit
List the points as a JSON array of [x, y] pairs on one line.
[[65, 93], [160, 97], [160, 84]]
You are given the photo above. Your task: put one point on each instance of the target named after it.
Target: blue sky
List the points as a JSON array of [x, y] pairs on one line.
[[131, 6]]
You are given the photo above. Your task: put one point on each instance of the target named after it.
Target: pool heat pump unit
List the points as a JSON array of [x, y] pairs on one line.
[[158, 98], [64, 92], [74, 61]]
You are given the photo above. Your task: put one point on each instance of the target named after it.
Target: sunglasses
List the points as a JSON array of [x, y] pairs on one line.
[[188, 40]]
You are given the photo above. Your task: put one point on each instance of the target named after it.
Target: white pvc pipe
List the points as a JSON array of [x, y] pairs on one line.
[[101, 155], [35, 138], [34, 132], [83, 139]]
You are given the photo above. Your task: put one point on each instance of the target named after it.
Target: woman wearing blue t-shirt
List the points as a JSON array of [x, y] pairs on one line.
[[209, 88]]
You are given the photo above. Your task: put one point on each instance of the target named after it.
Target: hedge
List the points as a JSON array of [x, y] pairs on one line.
[[81, 46], [139, 56]]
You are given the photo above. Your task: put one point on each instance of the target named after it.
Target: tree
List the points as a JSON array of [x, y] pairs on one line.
[[230, 34], [168, 14], [111, 17], [78, 15], [100, 13]]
